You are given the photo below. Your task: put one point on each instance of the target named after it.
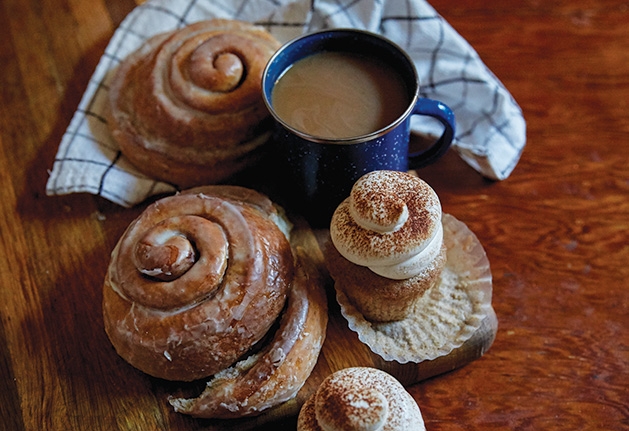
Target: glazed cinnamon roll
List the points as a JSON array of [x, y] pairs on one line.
[[196, 280], [277, 372], [187, 107]]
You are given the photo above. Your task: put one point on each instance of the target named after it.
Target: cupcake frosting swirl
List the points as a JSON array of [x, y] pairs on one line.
[[390, 223], [360, 398]]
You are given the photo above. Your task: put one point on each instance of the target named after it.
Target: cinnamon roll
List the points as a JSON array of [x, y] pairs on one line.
[[187, 107], [196, 280], [276, 373]]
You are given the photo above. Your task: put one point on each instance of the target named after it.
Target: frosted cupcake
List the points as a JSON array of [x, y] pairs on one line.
[[413, 283], [390, 236]]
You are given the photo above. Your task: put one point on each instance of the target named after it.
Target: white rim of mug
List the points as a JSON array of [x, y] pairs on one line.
[[353, 139]]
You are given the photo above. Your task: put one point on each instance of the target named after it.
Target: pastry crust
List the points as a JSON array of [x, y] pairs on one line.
[[187, 108], [201, 320]]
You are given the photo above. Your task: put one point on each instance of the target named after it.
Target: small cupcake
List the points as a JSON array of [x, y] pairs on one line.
[[360, 398], [413, 283], [388, 244]]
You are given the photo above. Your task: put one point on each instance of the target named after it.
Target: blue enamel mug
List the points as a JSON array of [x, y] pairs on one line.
[[320, 172]]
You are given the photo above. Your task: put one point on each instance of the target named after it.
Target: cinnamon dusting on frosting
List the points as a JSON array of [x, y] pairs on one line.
[[389, 218], [360, 398]]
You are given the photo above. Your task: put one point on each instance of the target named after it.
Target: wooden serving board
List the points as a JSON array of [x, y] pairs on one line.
[[343, 349]]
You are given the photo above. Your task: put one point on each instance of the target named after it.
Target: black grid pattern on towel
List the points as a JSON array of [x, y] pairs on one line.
[[88, 160]]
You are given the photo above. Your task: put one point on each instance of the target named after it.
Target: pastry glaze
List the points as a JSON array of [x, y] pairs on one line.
[[221, 303], [187, 107], [279, 370], [360, 398]]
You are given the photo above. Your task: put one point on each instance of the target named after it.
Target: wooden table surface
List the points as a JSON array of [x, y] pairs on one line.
[[555, 232]]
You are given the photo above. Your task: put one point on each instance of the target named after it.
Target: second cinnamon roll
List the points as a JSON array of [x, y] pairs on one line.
[[187, 108]]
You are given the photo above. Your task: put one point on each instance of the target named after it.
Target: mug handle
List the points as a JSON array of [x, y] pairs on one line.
[[444, 114]]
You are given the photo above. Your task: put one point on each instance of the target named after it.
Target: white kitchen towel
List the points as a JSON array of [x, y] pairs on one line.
[[491, 130]]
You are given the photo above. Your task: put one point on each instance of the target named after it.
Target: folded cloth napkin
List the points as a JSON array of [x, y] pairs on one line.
[[490, 127]]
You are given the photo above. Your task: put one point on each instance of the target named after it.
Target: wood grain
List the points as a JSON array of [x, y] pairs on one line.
[[556, 231]]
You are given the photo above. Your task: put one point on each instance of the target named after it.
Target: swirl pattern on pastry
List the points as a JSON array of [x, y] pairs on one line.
[[187, 107], [276, 373], [360, 398], [195, 281]]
